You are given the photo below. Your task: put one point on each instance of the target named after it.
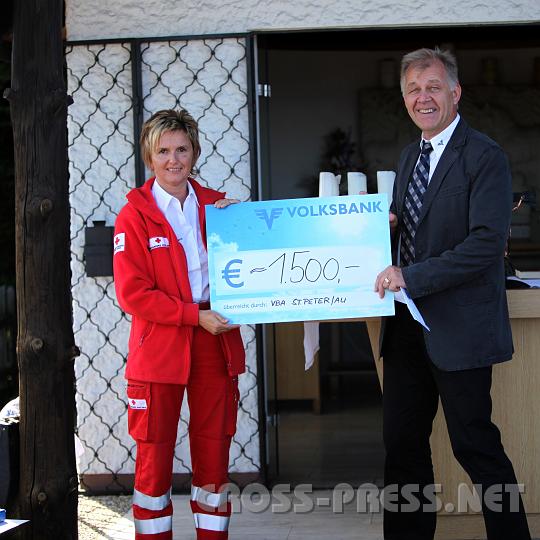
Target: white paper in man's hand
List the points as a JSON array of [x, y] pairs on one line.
[[416, 315]]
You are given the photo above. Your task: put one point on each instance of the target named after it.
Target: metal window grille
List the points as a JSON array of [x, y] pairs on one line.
[[115, 86]]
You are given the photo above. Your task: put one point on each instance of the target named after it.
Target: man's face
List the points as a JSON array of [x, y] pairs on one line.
[[429, 99]]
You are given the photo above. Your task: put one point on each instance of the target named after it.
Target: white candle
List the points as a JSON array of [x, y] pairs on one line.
[[385, 183], [356, 183], [328, 184]]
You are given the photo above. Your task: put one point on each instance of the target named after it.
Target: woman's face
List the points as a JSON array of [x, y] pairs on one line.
[[172, 161]]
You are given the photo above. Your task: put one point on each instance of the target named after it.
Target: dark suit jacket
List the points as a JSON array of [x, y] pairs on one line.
[[458, 280]]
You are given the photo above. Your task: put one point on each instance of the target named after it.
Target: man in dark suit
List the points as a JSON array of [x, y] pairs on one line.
[[449, 218]]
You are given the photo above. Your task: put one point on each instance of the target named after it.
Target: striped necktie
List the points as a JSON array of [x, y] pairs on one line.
[[413, 204]]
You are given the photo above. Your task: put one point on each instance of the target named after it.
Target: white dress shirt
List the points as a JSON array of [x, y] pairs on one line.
[[185, 224], [439, 142]]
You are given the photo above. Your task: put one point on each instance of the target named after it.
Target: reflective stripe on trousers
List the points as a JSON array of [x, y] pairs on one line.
[[151, 503], [207, 498], [211, 522], [153, 526]]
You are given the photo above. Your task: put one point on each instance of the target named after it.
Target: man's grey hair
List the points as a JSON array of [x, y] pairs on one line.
[[423, 58]]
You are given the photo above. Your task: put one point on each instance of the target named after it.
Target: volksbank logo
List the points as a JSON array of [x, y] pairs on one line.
[[269, 218], [316, 210]]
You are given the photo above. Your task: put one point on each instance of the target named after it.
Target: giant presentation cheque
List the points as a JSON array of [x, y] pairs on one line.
[[299, 259]]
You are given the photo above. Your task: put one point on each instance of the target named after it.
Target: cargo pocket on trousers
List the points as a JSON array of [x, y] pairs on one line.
[[138, 394], [233, 407]]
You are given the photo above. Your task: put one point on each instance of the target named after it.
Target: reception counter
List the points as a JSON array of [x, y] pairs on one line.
[[516, 410]]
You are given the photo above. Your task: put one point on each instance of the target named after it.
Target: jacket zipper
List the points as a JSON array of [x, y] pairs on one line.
[[145, 334]]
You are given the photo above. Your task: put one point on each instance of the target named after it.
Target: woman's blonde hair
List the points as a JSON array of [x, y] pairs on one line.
[[162, 122]]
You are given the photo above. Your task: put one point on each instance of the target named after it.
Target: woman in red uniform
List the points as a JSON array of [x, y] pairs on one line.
[[176, 341]]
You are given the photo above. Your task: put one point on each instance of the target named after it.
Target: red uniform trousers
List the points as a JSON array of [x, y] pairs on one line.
[[153, 414]]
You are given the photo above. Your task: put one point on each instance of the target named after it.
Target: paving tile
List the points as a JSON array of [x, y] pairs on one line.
[[321, 523]]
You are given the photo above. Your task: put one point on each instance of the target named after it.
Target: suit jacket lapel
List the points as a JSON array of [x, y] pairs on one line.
[[448, 157]]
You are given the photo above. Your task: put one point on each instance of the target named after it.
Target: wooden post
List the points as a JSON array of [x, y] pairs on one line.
[[45, 346]]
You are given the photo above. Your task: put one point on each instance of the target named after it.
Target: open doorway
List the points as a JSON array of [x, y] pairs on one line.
[[330, 417], [343, 85]]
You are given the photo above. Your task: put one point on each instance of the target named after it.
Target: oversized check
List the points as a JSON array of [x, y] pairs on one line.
[[299, 259]]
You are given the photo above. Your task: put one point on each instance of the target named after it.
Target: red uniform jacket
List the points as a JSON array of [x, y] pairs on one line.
[[151, 281]]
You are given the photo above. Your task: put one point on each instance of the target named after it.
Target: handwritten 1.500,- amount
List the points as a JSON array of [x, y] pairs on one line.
[[311, 271], [285, 268]]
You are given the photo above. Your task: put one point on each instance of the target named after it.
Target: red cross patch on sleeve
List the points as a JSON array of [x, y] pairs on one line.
[[158, 242], [119, 242]]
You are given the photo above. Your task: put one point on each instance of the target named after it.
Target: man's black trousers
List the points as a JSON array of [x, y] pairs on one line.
[[412, 387]]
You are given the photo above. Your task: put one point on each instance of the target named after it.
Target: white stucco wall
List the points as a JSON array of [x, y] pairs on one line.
[[93, 19]]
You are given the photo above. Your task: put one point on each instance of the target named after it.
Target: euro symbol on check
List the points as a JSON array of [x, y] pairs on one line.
[[229, 273]]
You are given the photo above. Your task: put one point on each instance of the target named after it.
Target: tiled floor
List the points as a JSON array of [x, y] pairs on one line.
[[323, 522], [319, 524]]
